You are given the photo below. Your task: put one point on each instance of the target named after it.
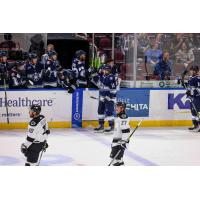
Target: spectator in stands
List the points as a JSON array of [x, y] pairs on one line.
[[163, 68], [153, 54], [164, 41], [177, 42], [37, 45], [8, 44], [126, 44], [190, 40], [184, 55], [44, 58], [143, 43]]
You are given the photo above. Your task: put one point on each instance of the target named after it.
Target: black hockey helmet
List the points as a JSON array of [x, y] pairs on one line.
[[120, 103], [52, 53], [194, 68], [35, 108], [79, 53], [3, 53], [32, 56], [107, 68]]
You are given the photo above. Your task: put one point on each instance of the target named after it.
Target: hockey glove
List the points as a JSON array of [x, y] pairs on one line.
[[47, 132], [24, 149], [122, 143], [108, 98], [45, 146], [188, 93], [70, 90]]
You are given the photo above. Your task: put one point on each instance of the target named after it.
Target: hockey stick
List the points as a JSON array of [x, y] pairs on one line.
[[43, 150], [40, 157], [6, 100], [127, 141], [88, 93]]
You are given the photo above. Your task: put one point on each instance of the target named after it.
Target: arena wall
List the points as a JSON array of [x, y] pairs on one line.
[[157, 107]]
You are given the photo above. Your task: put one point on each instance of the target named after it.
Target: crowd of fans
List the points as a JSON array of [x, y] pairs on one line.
[[182, 50]]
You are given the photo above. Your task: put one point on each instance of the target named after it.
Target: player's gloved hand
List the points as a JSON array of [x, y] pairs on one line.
[[45, 146], [24, 149], [70, 90], [48, 72], [47, 132], [188, 93], [122, 143], [108, 98]]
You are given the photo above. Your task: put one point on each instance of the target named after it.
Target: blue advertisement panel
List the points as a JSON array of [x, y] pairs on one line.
[[137, 102], [77, 104]]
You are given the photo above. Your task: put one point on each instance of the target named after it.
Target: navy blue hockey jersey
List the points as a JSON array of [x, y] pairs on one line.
[[81, 72], [50, 75], [194, 84], [34, 73]]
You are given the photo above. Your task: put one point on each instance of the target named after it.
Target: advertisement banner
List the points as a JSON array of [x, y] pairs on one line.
[[56, 104], [137, 102], [77, 105], [169, 105]]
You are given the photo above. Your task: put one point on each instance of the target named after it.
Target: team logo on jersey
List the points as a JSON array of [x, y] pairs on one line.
[[36, 77], [33, 123], [31, 130]]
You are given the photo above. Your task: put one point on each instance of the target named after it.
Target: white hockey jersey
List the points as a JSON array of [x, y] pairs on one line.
[[37, 131], [122, 128]]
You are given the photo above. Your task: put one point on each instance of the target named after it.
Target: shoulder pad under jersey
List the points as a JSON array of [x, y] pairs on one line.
[[36, 120], [123, 116]]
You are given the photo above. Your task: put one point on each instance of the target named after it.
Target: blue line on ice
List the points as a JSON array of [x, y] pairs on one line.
[[130, 154]]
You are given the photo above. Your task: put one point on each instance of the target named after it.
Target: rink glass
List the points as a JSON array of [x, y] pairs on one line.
[[129, 50]]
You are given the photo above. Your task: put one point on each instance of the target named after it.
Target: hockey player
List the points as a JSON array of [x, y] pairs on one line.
[[17, 77], [107, 84], [34, 72], [66, 80], [80, 69], [50, 47], [36, 140], [52, 67], [193, 93], [4, 69], [121, 134]]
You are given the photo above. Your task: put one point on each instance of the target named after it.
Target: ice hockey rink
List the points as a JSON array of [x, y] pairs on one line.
[[82, 147]]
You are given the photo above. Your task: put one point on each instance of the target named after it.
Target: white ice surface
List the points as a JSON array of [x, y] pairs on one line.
[[149, 146]]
